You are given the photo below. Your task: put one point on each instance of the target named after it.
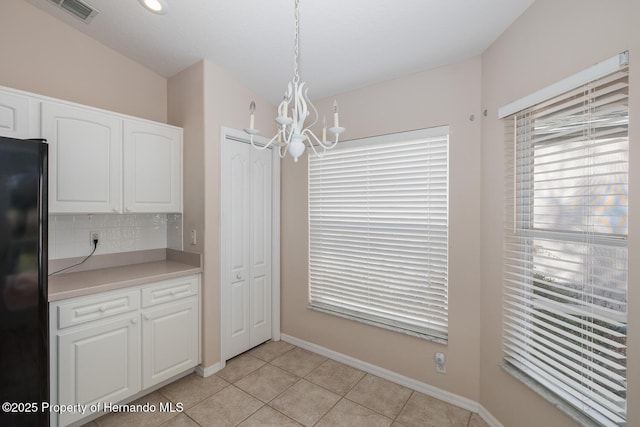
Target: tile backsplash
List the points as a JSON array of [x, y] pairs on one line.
[[70, 235]]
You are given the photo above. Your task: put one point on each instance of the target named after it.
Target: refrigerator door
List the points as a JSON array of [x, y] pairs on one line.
[[24, 377]]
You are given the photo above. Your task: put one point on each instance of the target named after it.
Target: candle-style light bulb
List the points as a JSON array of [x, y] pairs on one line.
[[324, 129], [285, 107], [252, 109], [336, 120]]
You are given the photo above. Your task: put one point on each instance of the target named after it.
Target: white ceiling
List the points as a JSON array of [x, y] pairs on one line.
[[344, 44]]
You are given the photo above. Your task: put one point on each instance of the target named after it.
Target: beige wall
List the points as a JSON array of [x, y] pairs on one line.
[[552, 40], [202, 99], [40, 54], [445, 96]]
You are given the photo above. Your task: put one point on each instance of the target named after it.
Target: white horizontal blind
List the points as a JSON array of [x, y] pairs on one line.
[[378, 220], [565, 253]]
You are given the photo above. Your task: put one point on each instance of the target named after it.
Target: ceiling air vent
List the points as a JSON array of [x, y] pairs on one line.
[[77, 8]]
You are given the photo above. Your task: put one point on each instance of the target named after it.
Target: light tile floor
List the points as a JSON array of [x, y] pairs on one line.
[[278, 384]]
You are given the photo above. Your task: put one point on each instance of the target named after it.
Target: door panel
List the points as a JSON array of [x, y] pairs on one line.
[[239, 314], [261, 246], [238, 233], [258, 298]]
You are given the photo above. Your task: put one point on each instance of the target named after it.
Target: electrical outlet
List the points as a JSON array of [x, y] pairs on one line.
[[93, 235], [441, 363]]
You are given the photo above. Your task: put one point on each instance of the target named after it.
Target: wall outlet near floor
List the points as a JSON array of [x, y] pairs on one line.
[[93, 235], [441, 362]]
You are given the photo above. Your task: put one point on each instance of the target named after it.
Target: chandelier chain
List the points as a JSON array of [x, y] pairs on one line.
[[296, 49]]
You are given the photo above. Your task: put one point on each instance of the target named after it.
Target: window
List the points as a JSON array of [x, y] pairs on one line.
[[378, 216], [565, 251]]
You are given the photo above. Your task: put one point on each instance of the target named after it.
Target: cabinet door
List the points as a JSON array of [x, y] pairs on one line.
[[98, 364], [85, 159], [152, 167], [169, 340], [17, 116]]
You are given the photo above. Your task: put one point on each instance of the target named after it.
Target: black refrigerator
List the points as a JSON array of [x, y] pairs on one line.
[[24, 331]]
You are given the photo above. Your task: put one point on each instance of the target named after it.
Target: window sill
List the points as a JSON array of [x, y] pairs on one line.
[[550, 397], [426, 337]]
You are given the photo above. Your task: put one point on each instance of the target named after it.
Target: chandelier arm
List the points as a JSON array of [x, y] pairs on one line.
[[311, 135], [312, 146], [265, 146], [315, 151], [301, 108], [329, 145], [313, 107], [287, 135], [326, 145], [282, 151]]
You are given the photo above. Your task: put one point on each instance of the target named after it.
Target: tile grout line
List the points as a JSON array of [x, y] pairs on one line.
[[395, 419]]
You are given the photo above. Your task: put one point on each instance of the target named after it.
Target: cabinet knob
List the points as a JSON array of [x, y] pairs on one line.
[[103, 309], [147, 317], [238, 276], [115, 209], [134, 320], [128, 210]]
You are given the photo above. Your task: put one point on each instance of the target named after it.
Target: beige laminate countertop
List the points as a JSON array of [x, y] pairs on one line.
[[63, 286]]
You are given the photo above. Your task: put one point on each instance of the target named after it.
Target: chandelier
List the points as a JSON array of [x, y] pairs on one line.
[[293, 135]]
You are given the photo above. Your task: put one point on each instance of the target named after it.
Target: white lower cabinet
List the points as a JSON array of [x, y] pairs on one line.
[[169, 340], [170, 329], [100, 363], [109, 346]]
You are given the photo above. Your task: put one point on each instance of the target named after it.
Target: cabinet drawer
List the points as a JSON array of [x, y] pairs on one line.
[[95, 308], [169, 290]]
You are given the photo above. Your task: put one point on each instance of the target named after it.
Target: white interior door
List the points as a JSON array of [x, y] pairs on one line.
[[247, 226]]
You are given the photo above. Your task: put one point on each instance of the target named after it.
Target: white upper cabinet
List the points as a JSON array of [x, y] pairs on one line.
[[107, 163], [18, 116], [152, 167], [99, 161], [85, 159]]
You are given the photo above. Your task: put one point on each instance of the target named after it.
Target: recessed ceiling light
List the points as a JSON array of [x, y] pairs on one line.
[[155, 6]]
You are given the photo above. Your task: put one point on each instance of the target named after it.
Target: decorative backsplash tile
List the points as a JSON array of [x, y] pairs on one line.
[[70, 235], [174, 231]]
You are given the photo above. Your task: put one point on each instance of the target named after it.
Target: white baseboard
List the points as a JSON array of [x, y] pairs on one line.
[[488, 417], [209, 370], [411, 383]]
